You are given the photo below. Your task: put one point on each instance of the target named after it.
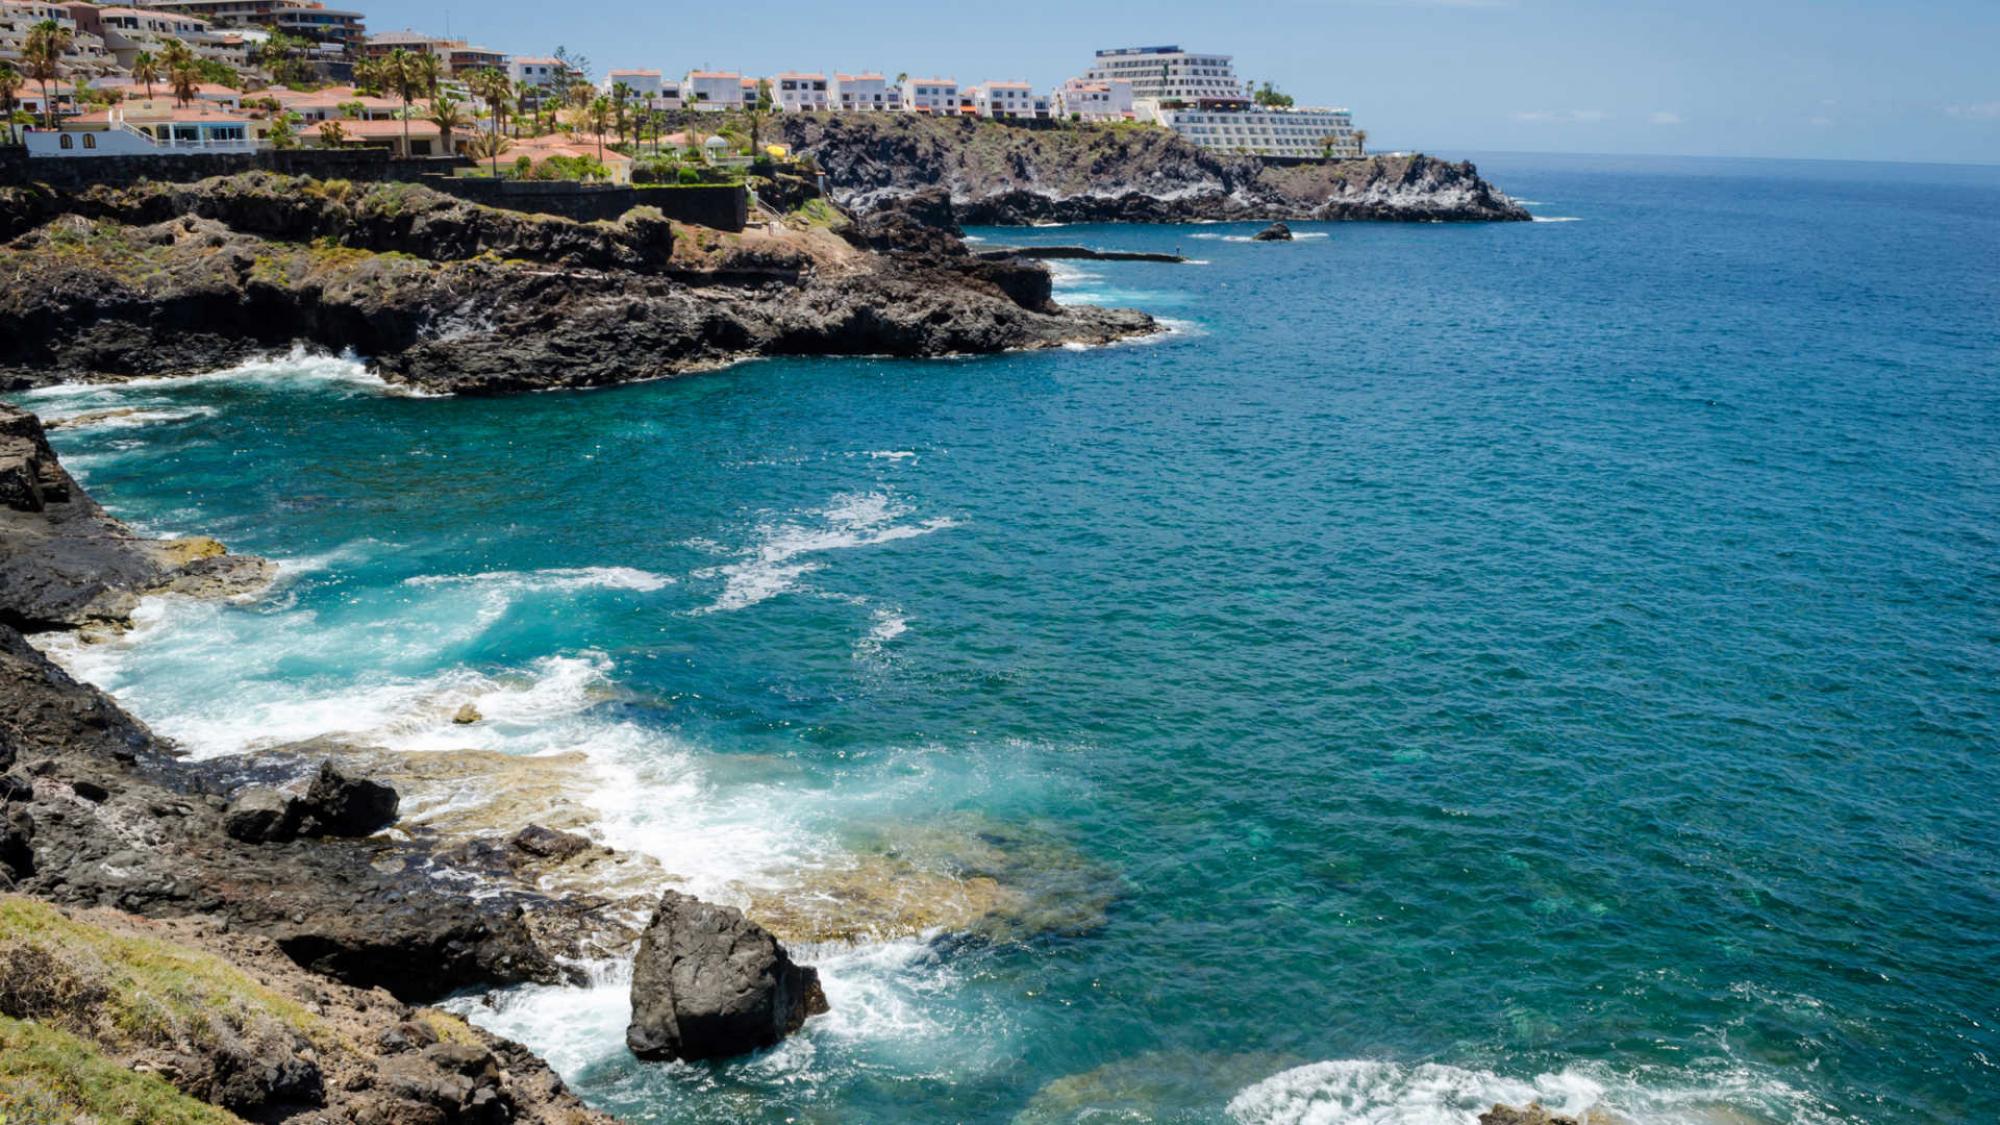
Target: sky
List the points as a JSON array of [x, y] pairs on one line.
[[1837, 79]]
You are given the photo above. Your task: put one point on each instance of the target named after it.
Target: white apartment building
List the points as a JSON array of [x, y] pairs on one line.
[[931, 95], [128, 31], [857, 93], [1169, 73], [794, 92], [1080, 99], [538, 70], [1008, 101], [647, 86], [86, 55], [715, 90], [1260, 131]]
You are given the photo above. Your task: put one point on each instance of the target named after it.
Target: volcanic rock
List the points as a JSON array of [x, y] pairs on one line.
[[709, 983], [1276, 232]]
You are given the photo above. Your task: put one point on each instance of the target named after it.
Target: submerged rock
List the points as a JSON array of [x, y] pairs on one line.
[[466, 715], [709, 983], [1276, 232]]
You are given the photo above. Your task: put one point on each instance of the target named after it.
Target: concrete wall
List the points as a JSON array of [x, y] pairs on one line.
[[724, 207]]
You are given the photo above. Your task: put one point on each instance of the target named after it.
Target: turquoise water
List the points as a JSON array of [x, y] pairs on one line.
[[1547, 660]]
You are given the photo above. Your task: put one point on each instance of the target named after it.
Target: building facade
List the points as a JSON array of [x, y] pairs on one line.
[[1081, 99], [86, 56], [1008, 101], [1169, 73], [794, 92], [858, 93], [714, 90], [128, 31], [930, 95], [1260, 131], [307, 19]]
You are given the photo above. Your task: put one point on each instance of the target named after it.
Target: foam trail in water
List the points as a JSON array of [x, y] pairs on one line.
[[1369, 1092], [779, 558], [300, 366]]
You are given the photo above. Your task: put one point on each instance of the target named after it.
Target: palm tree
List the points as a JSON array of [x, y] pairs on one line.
[[429, 69], [598, 116], [146, 68], [332, 134], [10, 85], [183, 72], [489, 146], [447, 115], [368, 76], [620, 94], [399, 72], [1361, 142], [48, 41]]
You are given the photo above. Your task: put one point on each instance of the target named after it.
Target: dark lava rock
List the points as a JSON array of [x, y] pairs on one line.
[[548, 843], [17, 844], [1276, 232], [90, 791], [338, 805], [259, 815], [709, 983]]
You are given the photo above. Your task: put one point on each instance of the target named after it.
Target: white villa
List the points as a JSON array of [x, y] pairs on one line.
[[856, 93], [799, 93], [655, 91], [930, 95], [1008, 101], [151, 126], [715, 90], [1081, 99]]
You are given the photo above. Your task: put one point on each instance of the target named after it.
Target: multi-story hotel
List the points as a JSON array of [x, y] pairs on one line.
[[1168, 73], [307, 19], [458, 56], [930, 95], [855, 93], [1261, 131], [799, 93]]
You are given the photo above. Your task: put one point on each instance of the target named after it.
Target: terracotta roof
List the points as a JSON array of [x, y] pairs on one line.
[[538, 60], [713, 74], [419, 129], [640, 73], [799, 74], [189, 113], [859, 78]]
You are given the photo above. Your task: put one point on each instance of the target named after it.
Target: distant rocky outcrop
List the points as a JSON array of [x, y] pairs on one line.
[[163, 279], [994, 173], [65, 564], [1276, 232], [709, 984]]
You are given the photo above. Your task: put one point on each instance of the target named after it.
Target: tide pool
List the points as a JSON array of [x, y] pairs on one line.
[[1454, 664]]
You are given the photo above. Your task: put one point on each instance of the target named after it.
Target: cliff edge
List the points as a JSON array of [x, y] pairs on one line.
[[1001, 174]]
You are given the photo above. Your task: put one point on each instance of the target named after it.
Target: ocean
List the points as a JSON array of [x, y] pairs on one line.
[[1548, 661]]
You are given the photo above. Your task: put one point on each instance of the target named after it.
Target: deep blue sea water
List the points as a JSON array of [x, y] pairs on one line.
[[1461, 663]]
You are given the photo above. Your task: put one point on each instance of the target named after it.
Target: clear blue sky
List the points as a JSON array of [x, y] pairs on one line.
[[1810, 78]]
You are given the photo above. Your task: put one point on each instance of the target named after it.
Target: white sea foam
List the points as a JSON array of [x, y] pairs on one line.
[[1557, 219], [83, 419], [782, 552], [1368, 1092], [301, 365], [890, 454]]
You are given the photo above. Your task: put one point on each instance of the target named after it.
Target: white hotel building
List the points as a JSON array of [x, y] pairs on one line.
[[1080, 99], [1198, 95], [1008, 101]]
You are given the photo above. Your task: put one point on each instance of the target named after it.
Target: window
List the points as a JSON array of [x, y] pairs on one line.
[[68, 141], [90, 140]]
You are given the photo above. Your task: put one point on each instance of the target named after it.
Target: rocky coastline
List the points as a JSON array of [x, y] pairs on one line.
[[315, 937], [1002, 175], [451, 297]]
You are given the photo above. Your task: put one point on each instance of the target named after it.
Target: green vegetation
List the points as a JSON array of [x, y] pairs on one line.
[[48, 1077], [1269, 95], [820, 213], [126, 991]]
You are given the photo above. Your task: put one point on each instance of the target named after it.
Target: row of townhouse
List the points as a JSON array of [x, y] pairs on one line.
[[108, 40], [807, 92]]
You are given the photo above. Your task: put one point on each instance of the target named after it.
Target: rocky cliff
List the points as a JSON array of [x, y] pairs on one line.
[[1001, 174], [165, 279]]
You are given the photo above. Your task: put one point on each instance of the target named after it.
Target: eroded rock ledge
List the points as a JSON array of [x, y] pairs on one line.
[[164, 279]]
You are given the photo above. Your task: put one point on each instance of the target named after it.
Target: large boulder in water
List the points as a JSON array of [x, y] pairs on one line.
[[1276, 232], [709, 983]]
